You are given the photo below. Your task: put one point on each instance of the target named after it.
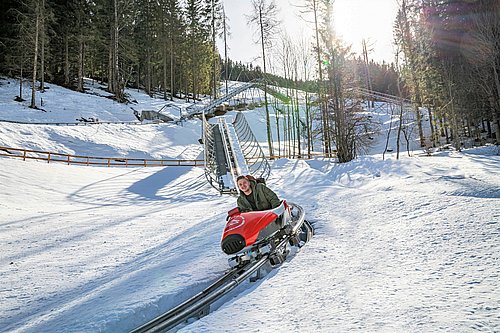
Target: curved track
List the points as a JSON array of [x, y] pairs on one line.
[[199, 304]]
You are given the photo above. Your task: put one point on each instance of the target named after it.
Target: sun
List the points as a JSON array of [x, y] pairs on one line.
[[355, 20]]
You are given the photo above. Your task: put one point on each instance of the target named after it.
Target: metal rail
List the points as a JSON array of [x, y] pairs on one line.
[[208, 108], [215, 167], [188, 303], [380, 96], [200, 302], [257, 163], [230, 153], [195, 307], [216, 157]]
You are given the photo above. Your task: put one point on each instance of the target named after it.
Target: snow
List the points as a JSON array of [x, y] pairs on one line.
[[407, 245], [59, 104]]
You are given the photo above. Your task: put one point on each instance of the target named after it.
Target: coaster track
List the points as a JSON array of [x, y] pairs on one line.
[[199, 304], [231, 149]]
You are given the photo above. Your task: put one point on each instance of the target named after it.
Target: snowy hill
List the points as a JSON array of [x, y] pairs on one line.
[[58, 104], [153, 141], [405, 245]]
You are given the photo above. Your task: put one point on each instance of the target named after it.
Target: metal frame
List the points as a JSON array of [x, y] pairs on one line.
[[254, 155], [255, 158]]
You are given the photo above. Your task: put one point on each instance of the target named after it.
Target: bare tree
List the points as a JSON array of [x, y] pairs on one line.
[[264, 18], [37, 19], [483, 53], [225, 33], [318, 9], [401, 108], [408, 48], [304, 58], [367, 70], [350, 128], [285, 55]]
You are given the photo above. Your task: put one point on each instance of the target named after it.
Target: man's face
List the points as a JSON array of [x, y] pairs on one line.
[[244, 185]]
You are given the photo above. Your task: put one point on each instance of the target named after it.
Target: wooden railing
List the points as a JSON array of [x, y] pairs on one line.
[[79, 123], [92, 160], [303, 156]]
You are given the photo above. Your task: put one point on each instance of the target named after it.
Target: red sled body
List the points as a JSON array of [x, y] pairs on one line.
[[243, 230]]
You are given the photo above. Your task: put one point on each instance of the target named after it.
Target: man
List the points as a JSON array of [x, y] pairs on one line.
[[255, 196]]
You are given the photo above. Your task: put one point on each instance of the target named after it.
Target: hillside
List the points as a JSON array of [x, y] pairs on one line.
[[404, 245]]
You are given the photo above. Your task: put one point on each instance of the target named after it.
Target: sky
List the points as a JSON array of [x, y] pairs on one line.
[[354, 20], [408, 245]]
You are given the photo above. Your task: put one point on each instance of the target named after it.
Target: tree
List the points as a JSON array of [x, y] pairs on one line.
[[217, 23], [172, 30], [303, 53], [264, 19], [226, 32], [451, 49], [144, 38], [407, 41], [164, 44], [16, 40], [484, 55], [37, 17], [369, 85], [350, 129]]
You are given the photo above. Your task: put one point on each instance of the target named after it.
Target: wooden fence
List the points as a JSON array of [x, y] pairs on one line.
[[91, 160], [79, 123], [303, 156]]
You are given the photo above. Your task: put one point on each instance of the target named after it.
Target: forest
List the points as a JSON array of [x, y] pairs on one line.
[[447, 59], [449, 54]]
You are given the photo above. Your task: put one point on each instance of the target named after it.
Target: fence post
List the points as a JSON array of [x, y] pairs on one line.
[[48, 157], [68, 159], [24, 155]]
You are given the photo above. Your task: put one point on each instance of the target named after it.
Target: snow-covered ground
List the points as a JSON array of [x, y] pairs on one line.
[[408, 245], [58, 104], [400, 246]]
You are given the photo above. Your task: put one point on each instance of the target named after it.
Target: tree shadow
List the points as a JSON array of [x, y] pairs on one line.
[[175, 269], [167, 184]]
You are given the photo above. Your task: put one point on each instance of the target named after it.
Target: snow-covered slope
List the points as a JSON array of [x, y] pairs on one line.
[[153, 141], [92, 249], [401, 246], [405, 245], [59, 104]]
